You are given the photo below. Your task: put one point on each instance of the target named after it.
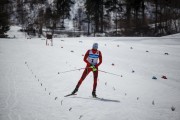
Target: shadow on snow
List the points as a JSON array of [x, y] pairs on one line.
[[99, 99]]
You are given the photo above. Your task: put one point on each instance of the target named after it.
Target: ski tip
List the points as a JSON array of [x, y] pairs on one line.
[[69, 95]]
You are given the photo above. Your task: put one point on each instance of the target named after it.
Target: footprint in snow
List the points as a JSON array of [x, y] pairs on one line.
[[153, 102], [137, 98], [70, 108], [61, 102], [56, 98], [173, 108], [80, 116]]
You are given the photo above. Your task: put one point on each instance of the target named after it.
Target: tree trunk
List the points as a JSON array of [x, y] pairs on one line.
[[156, 12], [88, 26], [102, 14], [97, 18], [143, 14], [128, 11]]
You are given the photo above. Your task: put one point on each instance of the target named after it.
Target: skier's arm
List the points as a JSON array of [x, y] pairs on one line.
[[100, 59], [85, 58]]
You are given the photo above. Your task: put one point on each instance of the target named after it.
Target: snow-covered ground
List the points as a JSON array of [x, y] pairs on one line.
[[32, 89]]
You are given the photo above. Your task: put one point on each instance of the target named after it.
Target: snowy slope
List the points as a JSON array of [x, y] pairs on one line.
[[32, 89]]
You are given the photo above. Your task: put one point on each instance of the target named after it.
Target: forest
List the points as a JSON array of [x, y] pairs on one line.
[[91, 17]]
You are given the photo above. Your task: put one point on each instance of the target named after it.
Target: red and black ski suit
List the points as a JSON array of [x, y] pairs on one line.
[[88, 69]]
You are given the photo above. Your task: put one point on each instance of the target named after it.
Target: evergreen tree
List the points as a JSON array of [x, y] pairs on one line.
[[62, 9], [21, 13], [48, 16], [94, 9], [135, 20], [4, 17], [116, 7]]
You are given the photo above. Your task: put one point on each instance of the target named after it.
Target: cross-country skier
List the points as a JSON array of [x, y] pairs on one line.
[[93, 58]]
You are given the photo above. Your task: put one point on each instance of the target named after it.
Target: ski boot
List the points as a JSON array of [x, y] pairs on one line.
[[94, 94], [75, 90]]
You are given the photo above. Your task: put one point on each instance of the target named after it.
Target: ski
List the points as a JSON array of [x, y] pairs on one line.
[[103, 99], [69, 95], [96, 97]]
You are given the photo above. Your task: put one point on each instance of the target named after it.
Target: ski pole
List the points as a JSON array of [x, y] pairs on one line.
[[109, 73], [87, 68], [71, 70]]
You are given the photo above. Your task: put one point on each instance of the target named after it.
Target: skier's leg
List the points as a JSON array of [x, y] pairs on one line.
[[95, 83], [85, 73]]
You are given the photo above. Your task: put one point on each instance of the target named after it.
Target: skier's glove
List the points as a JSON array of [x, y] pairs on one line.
[[93, 68]]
